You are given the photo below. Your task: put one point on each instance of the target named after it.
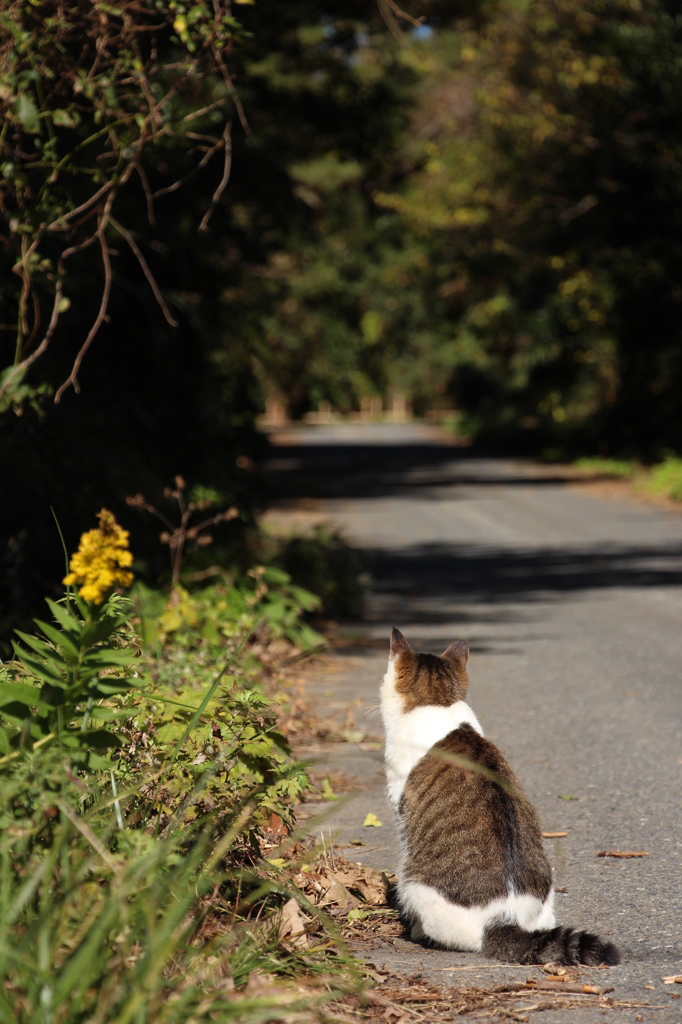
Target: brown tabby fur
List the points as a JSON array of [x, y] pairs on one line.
[[492, 840]]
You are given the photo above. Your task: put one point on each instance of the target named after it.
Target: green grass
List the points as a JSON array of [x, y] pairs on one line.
[[663, 479], [117, 927], [624, 469], [666, 479], [139, 894]]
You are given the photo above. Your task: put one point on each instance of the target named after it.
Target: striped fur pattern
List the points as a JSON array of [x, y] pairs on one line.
[[474, 874]]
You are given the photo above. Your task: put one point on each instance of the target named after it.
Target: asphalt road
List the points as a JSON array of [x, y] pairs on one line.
[[572, 606]]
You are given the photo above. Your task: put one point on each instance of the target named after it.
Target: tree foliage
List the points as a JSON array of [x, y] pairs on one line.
[[471, 205], [94, 95], [546, 156]]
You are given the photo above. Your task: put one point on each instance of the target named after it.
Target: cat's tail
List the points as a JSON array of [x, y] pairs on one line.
[[558, 945]]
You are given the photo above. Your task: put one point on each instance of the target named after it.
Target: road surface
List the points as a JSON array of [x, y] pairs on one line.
[[572, 606]]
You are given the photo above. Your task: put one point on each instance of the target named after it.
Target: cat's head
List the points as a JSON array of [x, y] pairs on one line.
[[422, 680]]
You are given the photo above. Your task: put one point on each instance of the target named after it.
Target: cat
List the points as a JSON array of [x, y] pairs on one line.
[[474, 873]]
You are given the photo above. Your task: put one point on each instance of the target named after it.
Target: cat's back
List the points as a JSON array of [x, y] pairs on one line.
[[469, 831]]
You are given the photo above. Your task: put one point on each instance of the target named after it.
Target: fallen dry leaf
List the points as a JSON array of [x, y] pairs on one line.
[[292, 925], [371, 887], [673, 979], [338, 894], [553, 835], [371, 819], [620, 853], [277, 826]]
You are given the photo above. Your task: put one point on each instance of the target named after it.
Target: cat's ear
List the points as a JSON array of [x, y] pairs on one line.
[[399, 644], [457, 653]]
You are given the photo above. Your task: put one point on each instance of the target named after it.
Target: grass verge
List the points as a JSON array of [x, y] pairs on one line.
[[662, 480], [147, 808]]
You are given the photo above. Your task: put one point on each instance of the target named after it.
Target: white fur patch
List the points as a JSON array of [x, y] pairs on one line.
[[462, 927], [409, 736]]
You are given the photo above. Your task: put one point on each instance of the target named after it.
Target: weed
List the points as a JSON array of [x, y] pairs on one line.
[[620, 468], [666, 479]]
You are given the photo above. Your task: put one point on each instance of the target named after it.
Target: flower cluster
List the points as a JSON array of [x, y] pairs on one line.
[[102, 560]]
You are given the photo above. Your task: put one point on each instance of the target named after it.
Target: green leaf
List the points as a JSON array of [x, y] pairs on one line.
[[92, 762], [65, 118], [40, 647], [100, 629], [40, 669], [308, 601], [19, 717], [61, 639], [276, 610], [273, 575], [110, 687], [105, 714], [26, 112], [5, 739], [24, 693], [66, 619], [170, 732], [100, 739], [107, 657], [304, 636]]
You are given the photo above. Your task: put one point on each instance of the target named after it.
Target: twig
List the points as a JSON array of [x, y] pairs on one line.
[[374, 997], [562, 986], [148, 194], [146, 271], [400, 13], [477, 967], [25, 363], [390, 19], [202, 163], [227, 166], [72, 379], [59, 223], [618, 853]]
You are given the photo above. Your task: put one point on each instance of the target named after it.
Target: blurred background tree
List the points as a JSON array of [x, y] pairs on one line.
[[206, 209], [545, 184]]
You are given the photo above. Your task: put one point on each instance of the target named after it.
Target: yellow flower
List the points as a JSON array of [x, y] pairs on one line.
[[102, 560]]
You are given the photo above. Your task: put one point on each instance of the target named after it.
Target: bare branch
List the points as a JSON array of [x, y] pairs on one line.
[[386, 12], [106, 31], [202, 163], [72, 250], [145, 269], [25, 363], [148, 193], [400, 13], [227, 78], [204, 110], [227, 166], [72, 379], [59, 224]]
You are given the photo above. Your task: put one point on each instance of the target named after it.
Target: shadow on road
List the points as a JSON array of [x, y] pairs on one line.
[[436, 579], [371, 470], [472, 574]]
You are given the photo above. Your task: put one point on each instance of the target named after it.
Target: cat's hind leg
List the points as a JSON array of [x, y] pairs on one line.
[[441, 921]]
